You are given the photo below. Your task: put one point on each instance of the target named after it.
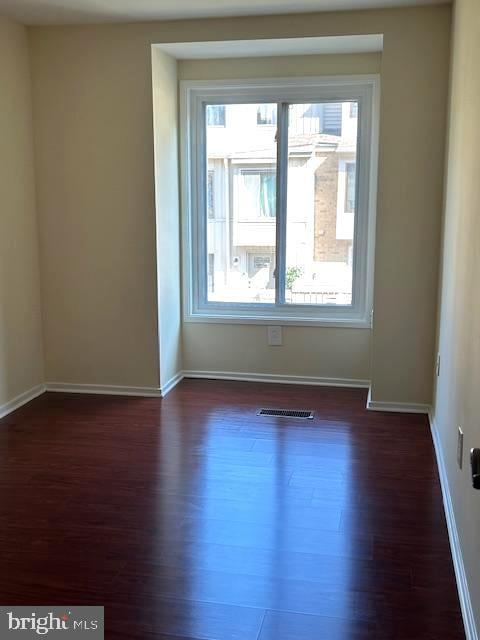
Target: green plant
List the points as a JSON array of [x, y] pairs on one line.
[[292, 275]]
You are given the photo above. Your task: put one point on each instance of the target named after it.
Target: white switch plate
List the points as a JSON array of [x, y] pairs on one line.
[[274, 336], [460, 448]]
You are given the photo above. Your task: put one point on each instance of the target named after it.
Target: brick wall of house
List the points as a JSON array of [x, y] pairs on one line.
[[327, 247]]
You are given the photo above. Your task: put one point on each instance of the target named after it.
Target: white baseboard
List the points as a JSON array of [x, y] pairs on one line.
[[471, 632], [400, 407], [20, 400], [168, 386], [276, 378], [111, 390]]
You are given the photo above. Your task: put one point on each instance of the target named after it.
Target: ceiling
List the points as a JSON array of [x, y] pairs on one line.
[[93, 11]]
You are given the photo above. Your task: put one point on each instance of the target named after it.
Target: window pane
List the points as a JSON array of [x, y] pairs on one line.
[[267, 114], [322, 144], [241, 193], [216, 115]]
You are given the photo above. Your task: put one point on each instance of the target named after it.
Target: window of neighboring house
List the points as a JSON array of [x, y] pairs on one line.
[[211, 194], [260, 262], [350, 180], [216, 115], [332, 118], [267, 252], [346, 197], [267, 114], [211, 272], [257, 194]]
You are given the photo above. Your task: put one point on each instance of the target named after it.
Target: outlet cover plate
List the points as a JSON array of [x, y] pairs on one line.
[[274, 336]]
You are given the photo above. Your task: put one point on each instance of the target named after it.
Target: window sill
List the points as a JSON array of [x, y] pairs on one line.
[[346, 323]]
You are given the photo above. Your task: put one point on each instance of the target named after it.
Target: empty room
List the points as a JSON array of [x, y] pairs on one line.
[[239, 319]]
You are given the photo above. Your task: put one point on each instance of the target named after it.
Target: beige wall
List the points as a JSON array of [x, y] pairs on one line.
[[93, 114], [92, 91], [413, 123], [165, 115], [306, 351], [279, 66], [21, 359], [457, 400]]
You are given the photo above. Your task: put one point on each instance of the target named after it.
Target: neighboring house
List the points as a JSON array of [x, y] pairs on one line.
[[241, 201]]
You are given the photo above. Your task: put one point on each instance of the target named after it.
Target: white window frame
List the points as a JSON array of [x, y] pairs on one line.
[[194, 95]]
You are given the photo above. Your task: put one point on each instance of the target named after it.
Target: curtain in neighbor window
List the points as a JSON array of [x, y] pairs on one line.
[[257, 194], [267, 195]]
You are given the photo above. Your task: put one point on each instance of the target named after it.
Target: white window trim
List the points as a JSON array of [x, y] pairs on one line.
[[193, 94]]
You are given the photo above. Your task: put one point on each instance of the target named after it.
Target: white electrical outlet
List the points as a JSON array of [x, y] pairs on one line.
[[274, 336], [460, 448]]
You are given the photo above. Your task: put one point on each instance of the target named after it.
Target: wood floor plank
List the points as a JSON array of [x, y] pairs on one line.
[[152, 617], [192, 518], [295, 626], [248, 591], [333, 573]]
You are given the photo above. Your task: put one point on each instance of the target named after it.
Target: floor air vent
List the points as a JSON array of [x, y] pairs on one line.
[[286, 413]]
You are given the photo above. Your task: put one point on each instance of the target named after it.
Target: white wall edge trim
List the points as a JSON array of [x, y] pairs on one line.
[[111, 390], [277, 378], [19, 401], [398, 407], [456, 549], [172, 383]]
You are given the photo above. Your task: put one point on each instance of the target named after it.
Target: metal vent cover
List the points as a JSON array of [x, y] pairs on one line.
[[303, 414]]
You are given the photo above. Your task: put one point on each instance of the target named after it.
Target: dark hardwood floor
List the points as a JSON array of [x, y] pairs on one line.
[[190, 518]]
